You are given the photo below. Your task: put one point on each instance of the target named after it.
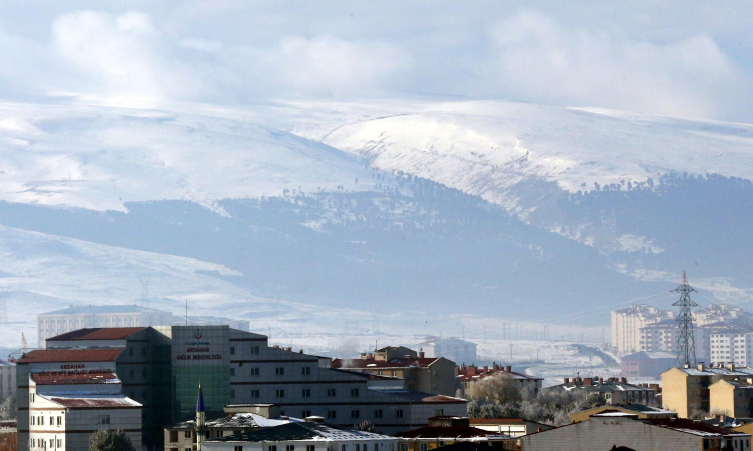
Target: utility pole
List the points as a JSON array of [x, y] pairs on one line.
[[686, 340]]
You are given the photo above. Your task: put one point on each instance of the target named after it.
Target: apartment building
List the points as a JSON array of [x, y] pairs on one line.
[[733, 398], [647, 364], [730, 346], [628, 322], [513, 427], [66, 408], [454, 349], [471, 374], [420, 373], [687, 390], [611, 390], [617, 430]]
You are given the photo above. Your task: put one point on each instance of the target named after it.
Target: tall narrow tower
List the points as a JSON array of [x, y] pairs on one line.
[[200, 419], [686, 338]]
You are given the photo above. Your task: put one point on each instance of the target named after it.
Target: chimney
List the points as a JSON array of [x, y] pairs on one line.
[[497, 367], [588, 381], [601, 381], [687, 366], [567, 380], [623, 380], [508, 369], [731, 366], [538, 429], [700, 366], [363, 356], [421, 354], [486, 370]]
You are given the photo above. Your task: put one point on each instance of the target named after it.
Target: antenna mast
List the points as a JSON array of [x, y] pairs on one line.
[[686, 339]]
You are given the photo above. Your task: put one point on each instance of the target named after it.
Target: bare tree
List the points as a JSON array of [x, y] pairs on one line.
[[499, 388]]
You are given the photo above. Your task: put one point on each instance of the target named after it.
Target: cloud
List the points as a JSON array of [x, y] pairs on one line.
[[538, 59]]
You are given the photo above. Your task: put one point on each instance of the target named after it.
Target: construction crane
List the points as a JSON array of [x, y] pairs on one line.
[[18, 353]]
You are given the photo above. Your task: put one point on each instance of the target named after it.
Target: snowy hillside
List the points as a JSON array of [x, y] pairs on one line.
[[99, 157], [486, 148]]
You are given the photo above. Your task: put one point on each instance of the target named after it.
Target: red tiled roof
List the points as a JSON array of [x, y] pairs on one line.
[[71, 355], [93, 403], [62, 378], [373, 363], [446, 432], [98, 333]]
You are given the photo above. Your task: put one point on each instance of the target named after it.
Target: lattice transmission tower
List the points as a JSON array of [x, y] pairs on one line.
[[686, 339]]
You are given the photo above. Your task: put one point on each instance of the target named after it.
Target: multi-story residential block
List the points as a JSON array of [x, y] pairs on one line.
[[7, 380], [65, 409], [308, 436], [733, 398], [611, 391], [687, 390], [628, 322], [470, 375], [729, 346], [105, 316], [424, 374], [455, 349], [617, 430]]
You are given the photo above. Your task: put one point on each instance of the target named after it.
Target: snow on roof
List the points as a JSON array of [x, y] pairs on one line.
[[417, 396], [307, 431], [82, 401]]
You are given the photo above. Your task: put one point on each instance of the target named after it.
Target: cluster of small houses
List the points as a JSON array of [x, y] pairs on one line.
[[232, 391]]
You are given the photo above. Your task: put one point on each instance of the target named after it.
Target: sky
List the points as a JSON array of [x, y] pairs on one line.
[[679, 58]]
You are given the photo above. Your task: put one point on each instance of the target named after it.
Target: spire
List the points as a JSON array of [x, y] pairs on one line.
[[200, 401]]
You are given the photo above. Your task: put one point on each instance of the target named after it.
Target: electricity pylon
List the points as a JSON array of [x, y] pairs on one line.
[[686, 338]]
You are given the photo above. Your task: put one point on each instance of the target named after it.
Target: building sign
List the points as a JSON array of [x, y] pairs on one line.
[[200, 345]]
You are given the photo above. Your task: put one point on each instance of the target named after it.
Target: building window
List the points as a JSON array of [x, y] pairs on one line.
[[289, 447], [232, 394], [378, 413], [143, 373], [355, 392], [438, 412], [187, 434], [52, 421], [173, 436], [403, 447], [344, 447], [424, 447], [394, 373], [280, 371], [232, 350], [132, 373], [220, 433], [254, 371], [305, 413], [104, 419], [130, 352], [331, 392], [254, 393], [237, 448], [254, 349], [310, 447], [272, 448], [280, 393], [60, 419], [332, 414], [305, 371], [306, 393], [399, 413], [143, 352], [355, 414], [232, 371]]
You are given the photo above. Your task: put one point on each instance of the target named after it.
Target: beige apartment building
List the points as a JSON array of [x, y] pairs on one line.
[[732, 398], [628, 322], [687, 391]]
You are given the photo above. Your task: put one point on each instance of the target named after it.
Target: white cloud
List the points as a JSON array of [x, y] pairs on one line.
[[538, 59]]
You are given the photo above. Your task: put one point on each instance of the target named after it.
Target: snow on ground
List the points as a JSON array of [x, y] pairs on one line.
[[98, 157]]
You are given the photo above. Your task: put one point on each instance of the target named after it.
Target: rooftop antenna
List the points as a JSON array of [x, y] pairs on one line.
[[186, 311], [686, 340]]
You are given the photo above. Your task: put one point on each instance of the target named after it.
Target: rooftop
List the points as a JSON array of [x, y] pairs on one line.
[[98, 333], [80, 401], [95, 309], [238, 420], [300, 431], [450, 432], [71, 355], [62, 378], [373, 363], [693, 427]]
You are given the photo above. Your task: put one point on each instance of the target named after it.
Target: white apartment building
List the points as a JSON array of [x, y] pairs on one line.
[[455, 349], [734, 348], [628, 322], [65, 408]]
